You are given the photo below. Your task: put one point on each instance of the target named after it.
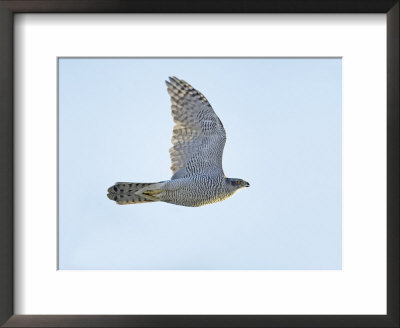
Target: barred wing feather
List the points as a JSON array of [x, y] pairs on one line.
[[198, 136]]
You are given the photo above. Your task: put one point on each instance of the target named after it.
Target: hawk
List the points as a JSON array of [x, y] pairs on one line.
[[198, 139]]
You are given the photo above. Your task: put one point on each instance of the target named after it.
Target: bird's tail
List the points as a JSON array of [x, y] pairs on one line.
[[124, 193]]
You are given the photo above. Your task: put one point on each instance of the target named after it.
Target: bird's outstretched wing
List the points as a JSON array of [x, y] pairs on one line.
[[198, 136]]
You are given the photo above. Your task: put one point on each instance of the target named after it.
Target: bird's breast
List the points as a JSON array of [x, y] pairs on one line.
[[196, 191]]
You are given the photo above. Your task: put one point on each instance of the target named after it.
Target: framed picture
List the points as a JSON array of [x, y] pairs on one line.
[[301, 101]]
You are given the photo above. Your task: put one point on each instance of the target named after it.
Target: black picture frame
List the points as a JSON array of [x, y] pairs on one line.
[[10, 7]]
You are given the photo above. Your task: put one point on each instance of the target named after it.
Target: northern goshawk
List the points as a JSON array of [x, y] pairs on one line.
[[198, 140]]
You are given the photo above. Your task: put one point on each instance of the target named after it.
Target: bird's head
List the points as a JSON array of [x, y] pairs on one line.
[[237, 183]]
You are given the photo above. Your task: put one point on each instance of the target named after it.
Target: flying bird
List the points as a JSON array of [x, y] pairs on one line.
[[198, 139]]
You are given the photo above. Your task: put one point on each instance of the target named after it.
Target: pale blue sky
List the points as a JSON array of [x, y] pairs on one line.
[[283, 123]]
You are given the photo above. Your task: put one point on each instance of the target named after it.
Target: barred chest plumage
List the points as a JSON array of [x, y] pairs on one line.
[[196, 190]]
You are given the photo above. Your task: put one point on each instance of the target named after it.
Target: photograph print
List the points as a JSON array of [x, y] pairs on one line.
[[199, 163]]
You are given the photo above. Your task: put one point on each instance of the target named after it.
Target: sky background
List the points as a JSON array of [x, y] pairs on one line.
[[283, 123]]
